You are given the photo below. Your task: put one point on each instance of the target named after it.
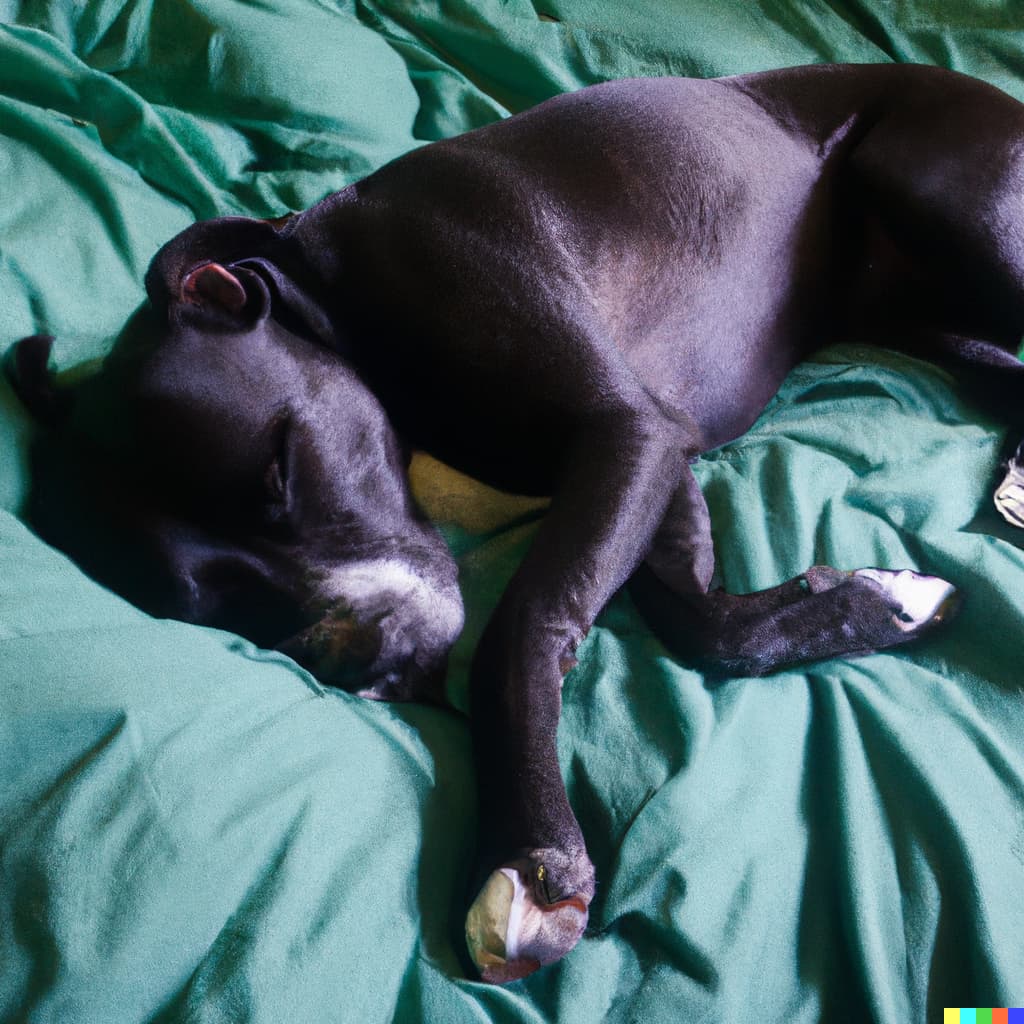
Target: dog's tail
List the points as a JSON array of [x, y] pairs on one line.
[[28, 369]]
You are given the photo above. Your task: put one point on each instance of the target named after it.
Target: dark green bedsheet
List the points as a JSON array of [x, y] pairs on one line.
[[193, 830]]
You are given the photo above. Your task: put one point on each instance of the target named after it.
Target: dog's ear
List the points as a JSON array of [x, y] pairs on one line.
[[293, 306], [28, 370], [214, 286], [219, 242], [230, 296]]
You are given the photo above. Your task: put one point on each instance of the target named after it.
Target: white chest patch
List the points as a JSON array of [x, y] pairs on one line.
[[388, 583]]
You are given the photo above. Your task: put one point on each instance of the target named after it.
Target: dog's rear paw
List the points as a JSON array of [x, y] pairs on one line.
[[523, 918], [1009, 496]]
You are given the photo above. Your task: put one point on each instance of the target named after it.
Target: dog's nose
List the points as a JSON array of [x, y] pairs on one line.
[[354, 655], [386, 629], [339, 648]]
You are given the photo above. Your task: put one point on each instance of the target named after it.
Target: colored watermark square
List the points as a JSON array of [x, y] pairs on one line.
[[982, 1015]]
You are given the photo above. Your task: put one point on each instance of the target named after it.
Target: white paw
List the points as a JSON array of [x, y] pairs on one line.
[[1009, 496], [510, 933], [923, 600]]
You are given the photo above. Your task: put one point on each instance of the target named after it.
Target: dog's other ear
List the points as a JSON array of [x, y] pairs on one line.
[[28, 370], [226, 296]]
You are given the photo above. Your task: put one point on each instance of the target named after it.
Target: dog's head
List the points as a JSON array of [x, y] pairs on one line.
[[245, 477]]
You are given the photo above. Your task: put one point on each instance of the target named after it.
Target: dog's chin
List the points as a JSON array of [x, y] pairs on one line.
[[338, 654], [408, 684], [387, 637]]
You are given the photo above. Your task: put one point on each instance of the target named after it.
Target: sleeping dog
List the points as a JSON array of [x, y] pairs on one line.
[[576, 302]]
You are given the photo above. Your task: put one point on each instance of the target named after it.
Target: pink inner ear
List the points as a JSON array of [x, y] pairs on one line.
[[212, 284]]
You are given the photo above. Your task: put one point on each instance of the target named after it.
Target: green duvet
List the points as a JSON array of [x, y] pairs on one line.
[[191, 829]]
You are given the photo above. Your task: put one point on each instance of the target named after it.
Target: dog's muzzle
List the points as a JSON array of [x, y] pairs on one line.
[[385, 631]]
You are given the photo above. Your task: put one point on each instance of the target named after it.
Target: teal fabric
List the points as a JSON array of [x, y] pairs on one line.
[[192, 829]]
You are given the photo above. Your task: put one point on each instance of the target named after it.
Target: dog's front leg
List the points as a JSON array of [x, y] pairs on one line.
[[822, 613], [532, 909]]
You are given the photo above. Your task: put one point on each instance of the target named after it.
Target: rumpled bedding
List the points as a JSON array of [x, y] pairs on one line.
[[192, 829]]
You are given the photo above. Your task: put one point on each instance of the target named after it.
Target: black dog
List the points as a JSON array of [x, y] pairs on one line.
[[575, 302]]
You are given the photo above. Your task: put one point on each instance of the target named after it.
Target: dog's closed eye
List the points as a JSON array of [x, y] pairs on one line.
[[275, 477]]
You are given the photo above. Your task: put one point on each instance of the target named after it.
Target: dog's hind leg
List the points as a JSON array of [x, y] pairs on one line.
[[995, 377], [943, 173]]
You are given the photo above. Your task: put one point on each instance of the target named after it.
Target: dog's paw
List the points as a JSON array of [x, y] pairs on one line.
[[524, 917], [919, 602], [1009, 496]]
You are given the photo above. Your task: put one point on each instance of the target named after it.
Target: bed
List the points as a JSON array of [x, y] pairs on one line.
[[192, 829]]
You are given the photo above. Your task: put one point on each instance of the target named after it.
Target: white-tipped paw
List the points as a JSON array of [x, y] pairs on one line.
[[922, 600], [511, 932], [1009, 496]]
